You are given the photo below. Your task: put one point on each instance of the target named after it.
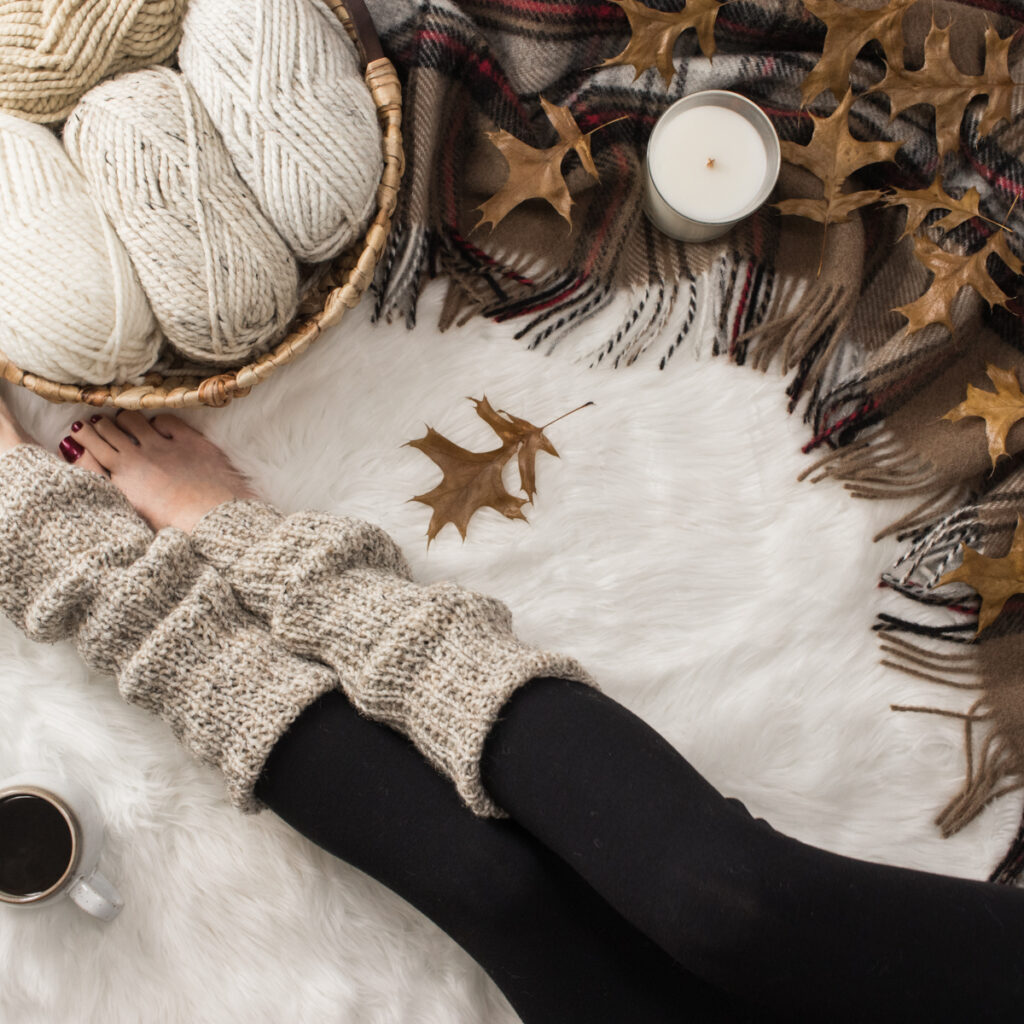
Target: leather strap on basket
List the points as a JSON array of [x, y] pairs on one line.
[[369, 41]]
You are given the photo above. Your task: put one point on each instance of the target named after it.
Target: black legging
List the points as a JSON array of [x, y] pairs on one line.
[[559, 953], [810, 934], [800, 933]]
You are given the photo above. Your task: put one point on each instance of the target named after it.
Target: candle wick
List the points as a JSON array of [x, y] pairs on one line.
[[711, 161]]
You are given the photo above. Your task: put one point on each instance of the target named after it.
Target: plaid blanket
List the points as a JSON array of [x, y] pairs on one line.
[[872, 394]]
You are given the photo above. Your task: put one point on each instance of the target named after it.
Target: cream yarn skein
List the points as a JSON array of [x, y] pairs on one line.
[[222, 283], [71, 307], [286, 91], [52, 51]]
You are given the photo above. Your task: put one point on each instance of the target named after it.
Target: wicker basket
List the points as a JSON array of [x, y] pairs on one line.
[[342, 281]]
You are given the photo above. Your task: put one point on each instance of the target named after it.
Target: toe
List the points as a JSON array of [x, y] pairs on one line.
[[107, 428], [89, 438], [136, 426], [88, 461], [172, 426]]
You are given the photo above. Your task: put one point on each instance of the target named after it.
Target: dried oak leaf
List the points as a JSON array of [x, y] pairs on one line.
[[531, 440], [1000, 409], [849, 29], [952, 272], [473, 480], [537, 173], [921, 202], [995, 579], [832, 155], [654, 34], [940, 83]]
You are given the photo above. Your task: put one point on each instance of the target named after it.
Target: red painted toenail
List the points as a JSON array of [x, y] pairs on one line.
[[70, 449], [95, 419], [77, 425]]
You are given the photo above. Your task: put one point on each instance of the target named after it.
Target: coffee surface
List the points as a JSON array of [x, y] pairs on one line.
[[35, 845]]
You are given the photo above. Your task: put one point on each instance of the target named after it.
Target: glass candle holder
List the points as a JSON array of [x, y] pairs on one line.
[[712, 159]]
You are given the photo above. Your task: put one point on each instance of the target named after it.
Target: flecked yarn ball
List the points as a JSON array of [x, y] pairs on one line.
[[52, 51], [221, 282], [285, 90], [71, 307]]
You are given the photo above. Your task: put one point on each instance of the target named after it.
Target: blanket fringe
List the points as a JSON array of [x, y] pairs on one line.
[[727, 305], [990, 773], [813, 330], [991, 768], [881, 467]]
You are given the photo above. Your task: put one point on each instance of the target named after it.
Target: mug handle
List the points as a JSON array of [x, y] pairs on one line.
[[96, 896]]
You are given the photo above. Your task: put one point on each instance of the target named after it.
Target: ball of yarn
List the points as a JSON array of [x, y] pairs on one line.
[[221, 282], [71, 307], [52, 51], [286, 91]]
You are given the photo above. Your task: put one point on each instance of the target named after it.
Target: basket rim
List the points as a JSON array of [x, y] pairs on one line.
[[159, 391]]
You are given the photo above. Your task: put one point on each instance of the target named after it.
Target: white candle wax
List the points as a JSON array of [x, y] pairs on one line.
[[708, 162]]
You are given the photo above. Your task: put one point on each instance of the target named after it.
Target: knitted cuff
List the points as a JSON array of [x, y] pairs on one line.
[[437, 663], [77, 562], [233, 528], [266, 555], [442, 672]]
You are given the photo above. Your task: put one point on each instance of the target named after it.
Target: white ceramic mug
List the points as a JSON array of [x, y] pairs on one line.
[[59, 858]]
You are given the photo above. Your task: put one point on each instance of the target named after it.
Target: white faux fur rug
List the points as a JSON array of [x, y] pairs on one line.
[[670, 548]]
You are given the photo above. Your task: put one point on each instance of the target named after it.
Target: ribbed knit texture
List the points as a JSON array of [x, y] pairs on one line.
[[77, 563], [435, 662]]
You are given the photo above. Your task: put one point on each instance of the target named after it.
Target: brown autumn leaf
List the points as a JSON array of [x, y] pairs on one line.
[[530, 439], [537, 173], [832, 155], [921, 202], [952, 272], [473, 480], [940, 83], [849, 29], [995, 579], [654, 34], [1000, 409]]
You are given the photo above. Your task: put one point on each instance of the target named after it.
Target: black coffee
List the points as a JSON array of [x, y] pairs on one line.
[[35, 845]]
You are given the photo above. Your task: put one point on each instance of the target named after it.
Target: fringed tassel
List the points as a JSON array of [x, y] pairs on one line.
[[990, 773], [936, 546], [992, 770], [397, 284], [648, 313], [789, 339], [550, 328], [954, 670], [880, 466]]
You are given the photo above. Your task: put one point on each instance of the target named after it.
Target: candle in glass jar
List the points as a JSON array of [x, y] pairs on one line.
[[712, 159], [709, 163]]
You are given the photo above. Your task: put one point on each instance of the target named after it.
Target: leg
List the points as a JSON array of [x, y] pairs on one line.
[[359, 790], [550, 943], [362, 792], [720, 892], [810, 933]]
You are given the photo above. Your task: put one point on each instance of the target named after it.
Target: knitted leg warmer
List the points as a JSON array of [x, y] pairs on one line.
[[77, 563], [435, 662]]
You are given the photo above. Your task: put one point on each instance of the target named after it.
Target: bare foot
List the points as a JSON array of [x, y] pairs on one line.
[[168, 471]]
